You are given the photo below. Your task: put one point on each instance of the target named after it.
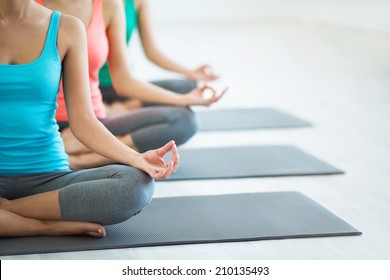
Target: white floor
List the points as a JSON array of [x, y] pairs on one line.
[[325, 61]]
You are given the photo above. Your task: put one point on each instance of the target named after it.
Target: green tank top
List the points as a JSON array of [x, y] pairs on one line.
[[131, 25]]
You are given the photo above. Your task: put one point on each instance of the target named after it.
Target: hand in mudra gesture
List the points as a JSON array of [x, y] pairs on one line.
[[197, 96], [152, 162]]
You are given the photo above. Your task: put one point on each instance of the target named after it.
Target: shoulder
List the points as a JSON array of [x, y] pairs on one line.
[[138, 4], [71, 33], [71, 25], [112, 9], [71, 28], [112, 6]]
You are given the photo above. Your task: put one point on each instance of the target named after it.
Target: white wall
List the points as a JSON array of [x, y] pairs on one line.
[[370, 14]]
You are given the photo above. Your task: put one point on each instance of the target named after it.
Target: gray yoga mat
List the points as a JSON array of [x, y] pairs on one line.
[[201, 219], [250, 118], [248, 161]]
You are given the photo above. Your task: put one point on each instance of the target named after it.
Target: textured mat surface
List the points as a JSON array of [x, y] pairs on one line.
[[202, 219], [248, 161], [250, 118]]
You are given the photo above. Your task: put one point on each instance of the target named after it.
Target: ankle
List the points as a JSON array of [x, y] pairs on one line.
[[75, 162]]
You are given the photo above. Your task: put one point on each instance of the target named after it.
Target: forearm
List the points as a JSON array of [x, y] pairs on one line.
[[149, 44], [160, 59], [134, 88]]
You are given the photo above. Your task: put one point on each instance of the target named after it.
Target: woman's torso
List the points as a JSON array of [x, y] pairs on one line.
[[29, 137]]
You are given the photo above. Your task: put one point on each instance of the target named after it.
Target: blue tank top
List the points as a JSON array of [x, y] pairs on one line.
[[29, 138]]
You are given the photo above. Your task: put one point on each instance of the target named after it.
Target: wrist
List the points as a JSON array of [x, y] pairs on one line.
[[133, 159], [182, 100], [186, 72]]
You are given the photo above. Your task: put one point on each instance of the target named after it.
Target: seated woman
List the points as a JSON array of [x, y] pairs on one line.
[[142, 129], [137, 15], [39, 195]]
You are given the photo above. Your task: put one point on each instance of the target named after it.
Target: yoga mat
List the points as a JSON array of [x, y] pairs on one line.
[[250, 118], [248, 161], [201, 219]]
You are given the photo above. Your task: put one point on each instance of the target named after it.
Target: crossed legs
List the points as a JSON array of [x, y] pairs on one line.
[[72, 202], [16, 225]]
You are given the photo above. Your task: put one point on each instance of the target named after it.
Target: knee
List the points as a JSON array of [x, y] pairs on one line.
[[136, 192], [185, 86], [187, 124], [140, 188]]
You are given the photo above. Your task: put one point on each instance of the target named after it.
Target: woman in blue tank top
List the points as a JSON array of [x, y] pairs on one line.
[[39, 195]]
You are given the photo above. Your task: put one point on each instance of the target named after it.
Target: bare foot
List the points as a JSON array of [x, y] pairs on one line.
[[73, 161], [3, 203], [72, 144], [132, 104], [73, 228], [91, 159], [117, 108], [87, 160], [12, 224]]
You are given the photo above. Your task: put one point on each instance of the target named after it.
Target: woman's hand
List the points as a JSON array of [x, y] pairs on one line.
[[152, 162], [197, 96], [202, 73]]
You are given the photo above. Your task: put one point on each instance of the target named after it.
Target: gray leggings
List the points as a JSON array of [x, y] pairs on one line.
[[152, 127], [175, 85], [105, 195]]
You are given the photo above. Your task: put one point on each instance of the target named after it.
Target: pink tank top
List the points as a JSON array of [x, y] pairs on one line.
[[97, 54]]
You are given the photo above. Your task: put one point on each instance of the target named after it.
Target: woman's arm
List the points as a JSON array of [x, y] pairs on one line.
[[83, 122], [154, 54], [123, 83]]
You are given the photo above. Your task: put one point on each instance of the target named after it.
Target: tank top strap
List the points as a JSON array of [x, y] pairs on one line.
[[52, 34]]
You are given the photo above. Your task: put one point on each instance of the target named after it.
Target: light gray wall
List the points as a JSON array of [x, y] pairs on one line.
[[370, 14]]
